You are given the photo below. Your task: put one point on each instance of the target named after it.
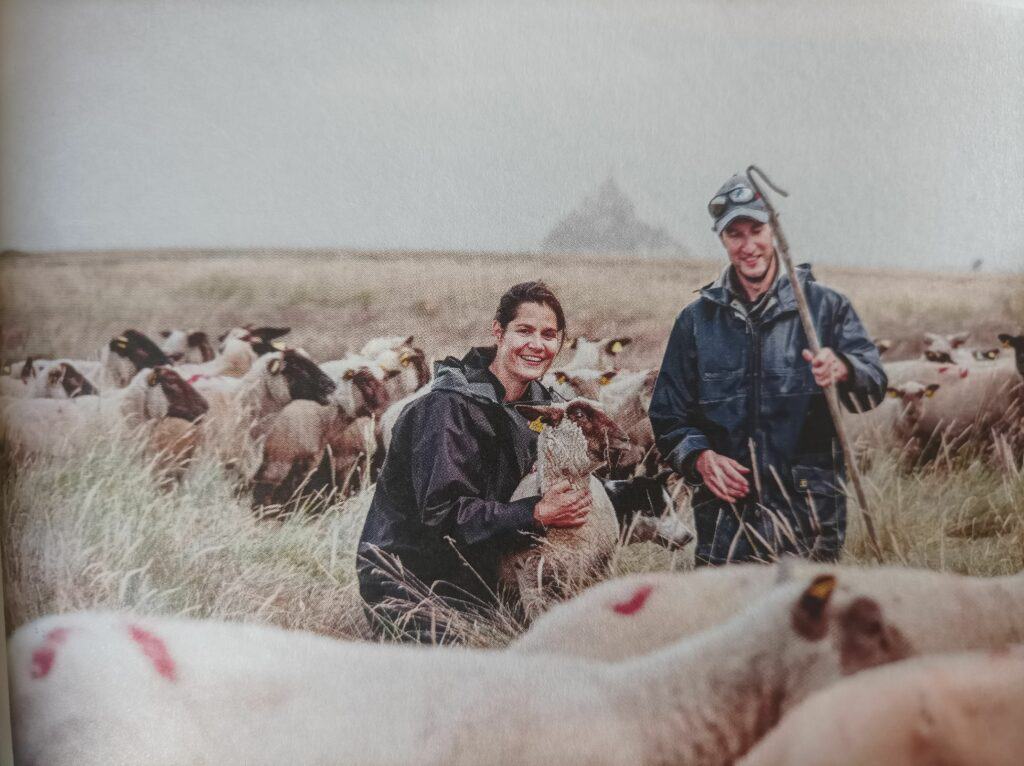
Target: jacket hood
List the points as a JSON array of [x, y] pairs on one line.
[[719, 292], [471, 377]]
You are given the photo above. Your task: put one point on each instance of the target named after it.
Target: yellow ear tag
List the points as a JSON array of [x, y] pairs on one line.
[[616, 347], [278, 345], [537, 425], [930, 393], [405, 360], [151, 380], [348, 375], [561, 377], [604, 380], [893, 393], [823, 588]]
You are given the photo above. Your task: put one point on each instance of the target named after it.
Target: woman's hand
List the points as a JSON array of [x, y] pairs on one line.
[[563, 506], [722, 475]]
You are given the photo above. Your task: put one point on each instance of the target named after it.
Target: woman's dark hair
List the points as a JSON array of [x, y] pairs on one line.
[[528, 292]]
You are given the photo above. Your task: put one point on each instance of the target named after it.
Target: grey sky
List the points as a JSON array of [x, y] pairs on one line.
[[897, 126]]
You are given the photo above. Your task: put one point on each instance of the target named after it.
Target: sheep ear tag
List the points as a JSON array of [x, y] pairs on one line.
[[604, 380], [537, 425], [151, 380], [616, 347], [274, 366], [892, 393], [278, 345], [405, 360], [561, 377]]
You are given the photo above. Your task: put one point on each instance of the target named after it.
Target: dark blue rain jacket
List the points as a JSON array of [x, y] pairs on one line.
[[733, 380]]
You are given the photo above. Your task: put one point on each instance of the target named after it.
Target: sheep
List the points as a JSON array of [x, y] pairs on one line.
[[239, 348], [123, 358], [377, 346], [575, 439], [300, 434], [646, 512], [632, 615], [65, 427], [386, 423], [946, 349], [990, 397], [570, 384], [403, 368], [61, 381], [595, 354], [118, 689], [955, 709], [187, 346], [627, 398], [893, 423]]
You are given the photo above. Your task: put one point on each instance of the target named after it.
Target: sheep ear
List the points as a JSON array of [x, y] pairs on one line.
[[573, 343], [57, 374], [930, 338], [405, 359], [606, 378], [883, 345], [348, 375], [808, 616], [616, 345], [408, 341], [930, 391], [561, 377], [165, 333], [152, 379], [389, 374], [1005, 338], [541, 416], [274, 367]]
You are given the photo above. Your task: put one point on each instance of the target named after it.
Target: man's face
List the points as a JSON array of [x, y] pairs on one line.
[[749, 244]]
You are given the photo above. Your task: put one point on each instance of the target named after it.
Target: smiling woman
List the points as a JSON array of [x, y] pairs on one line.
[[441, 516]]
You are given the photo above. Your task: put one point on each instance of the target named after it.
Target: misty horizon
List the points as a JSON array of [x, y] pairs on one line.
[[898, 131]]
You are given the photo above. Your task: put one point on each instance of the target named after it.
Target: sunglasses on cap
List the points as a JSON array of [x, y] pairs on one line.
[[738, 196]]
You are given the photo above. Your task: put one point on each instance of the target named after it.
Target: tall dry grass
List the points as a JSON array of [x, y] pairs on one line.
[[95, 531]]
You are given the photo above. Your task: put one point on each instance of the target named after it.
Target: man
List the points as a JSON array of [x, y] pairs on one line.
[[739, 410]]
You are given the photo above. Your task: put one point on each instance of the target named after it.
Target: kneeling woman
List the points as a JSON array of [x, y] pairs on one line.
[[441, 516]]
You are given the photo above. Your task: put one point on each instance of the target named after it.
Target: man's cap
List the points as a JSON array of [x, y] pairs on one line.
[[754, 208]]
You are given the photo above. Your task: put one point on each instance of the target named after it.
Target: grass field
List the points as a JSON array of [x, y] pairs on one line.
[[96, 532]]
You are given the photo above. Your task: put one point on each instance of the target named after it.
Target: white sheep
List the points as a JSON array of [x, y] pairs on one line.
[[598, 354], [66, 427], [575, 439], [122, 359], [118, 689], [950, 709], [187, 346], [632, 615], [894, 422]]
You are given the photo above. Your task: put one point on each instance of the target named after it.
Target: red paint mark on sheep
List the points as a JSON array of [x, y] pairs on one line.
[[964, 372], [156, 650], [635, 603], [196, 377], [44, 657]]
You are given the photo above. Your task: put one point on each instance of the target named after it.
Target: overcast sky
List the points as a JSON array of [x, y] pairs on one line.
[[898, 127]]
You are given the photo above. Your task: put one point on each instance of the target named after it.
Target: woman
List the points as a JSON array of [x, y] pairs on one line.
[[441, 510]]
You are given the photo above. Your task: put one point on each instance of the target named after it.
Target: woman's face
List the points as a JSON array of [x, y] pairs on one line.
[[528, 345]]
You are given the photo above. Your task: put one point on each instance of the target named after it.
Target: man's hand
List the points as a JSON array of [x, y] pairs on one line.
[[722, 475], [827, 368], [563, 506]]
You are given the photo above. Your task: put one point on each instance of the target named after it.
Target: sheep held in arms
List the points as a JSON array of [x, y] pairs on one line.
[[831, 396]]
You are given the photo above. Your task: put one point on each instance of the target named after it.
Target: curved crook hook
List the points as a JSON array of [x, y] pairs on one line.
[[754, 168]]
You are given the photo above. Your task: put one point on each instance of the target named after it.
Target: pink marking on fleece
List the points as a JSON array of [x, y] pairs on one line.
[[44, 657], [154, 648], [198, 376], [635, 602], [964, 372]]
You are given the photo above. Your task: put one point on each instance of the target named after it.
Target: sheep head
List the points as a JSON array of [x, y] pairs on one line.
[[851, 629], [604, 439], [70, 383], [181, 400], [301, 375], [1016, 342]]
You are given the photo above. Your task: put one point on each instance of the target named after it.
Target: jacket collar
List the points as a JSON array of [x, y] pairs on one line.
[[471, 377], [718, 291]]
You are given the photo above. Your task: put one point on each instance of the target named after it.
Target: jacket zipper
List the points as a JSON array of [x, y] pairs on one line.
[[755, 346]]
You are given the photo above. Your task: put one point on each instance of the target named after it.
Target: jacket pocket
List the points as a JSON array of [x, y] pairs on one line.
[[822, 502]]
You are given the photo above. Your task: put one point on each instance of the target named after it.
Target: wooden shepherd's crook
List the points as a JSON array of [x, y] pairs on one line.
[[831, 395]]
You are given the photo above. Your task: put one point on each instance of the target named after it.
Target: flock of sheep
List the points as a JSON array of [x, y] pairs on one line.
[[707, 667]]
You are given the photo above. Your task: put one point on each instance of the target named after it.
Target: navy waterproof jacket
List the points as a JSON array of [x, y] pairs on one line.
[[441, 505], [734, 381]]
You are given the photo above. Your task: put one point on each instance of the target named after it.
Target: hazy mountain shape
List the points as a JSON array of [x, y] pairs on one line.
[[607, 222]]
